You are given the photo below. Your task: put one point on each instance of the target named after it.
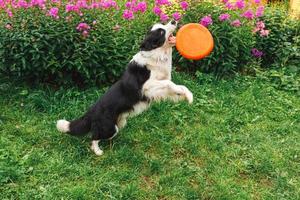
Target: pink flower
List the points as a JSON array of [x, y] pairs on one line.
[[56, 1], [39, 3], [8, 26], [2, 4], [94, 22], [162, 2], [206, 21], [264, 33], [224, 17], [71, 7], [94, 5], [259, 11], [23, 4], [240, 4], [229, 6], [128, 4], [164, 17], [248, 14], [85, 33], [53, 12], [9, 13], [157, 10], [260, 25], [83, 27], [184, 5], [176, 16], [128, 14], [114, 4], [82, 4], [256, 53], [257, 1], [106, 4], [141, 6], [236, 23]]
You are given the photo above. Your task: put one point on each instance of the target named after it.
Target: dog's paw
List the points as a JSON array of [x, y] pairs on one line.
[[187, 94], [63, 126], [98, 152], [95, 148]]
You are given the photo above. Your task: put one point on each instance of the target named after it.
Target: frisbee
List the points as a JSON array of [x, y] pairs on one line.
[[194, 41]]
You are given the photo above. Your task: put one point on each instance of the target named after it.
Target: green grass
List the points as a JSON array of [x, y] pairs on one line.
[[240, 139]]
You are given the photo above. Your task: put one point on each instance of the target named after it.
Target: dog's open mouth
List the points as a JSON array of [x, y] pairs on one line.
[[172, 39]]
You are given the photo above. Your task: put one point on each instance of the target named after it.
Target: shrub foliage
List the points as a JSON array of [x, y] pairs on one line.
[[282, 46], [44, 49], [232, 45], [41, 45]]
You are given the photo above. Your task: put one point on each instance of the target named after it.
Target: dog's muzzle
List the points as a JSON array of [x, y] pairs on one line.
[[171, 26]]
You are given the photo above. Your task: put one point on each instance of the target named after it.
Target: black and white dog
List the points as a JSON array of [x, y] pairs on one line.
[[147, 79]]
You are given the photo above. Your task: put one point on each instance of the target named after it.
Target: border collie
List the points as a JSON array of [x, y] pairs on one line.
[[146, 79]]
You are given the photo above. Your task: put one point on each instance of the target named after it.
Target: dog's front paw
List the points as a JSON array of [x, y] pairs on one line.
[[187, 94]]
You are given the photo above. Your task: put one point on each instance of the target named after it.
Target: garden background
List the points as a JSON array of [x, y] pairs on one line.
[[239, 139]]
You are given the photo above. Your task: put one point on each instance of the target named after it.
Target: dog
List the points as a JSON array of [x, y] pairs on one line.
[[146, 79]]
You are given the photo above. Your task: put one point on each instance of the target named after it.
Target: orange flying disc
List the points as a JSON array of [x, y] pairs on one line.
[[194, 41]]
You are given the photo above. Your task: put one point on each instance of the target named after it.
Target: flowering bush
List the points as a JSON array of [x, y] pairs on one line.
[[232, 34], [83, 41], [89, 41], [279, 38]]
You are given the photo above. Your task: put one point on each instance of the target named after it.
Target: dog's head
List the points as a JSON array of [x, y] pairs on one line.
[[160, 35]]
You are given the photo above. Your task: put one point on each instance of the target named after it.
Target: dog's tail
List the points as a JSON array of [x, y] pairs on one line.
[[76, 127]]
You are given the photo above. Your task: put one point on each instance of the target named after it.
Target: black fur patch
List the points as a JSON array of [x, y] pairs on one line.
[[153, 40], [121, 97]]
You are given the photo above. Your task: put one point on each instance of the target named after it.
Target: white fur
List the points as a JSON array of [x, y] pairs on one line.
[[95, 144], [95, 148], [116, 133], [157, 90], [159, 86], [159, 62], [137, 109], [63, 126], [122, 120]]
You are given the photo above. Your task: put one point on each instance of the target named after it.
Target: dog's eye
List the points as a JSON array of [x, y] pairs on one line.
[[162, 32]]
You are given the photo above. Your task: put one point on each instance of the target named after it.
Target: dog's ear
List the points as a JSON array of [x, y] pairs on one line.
[[153, 40]]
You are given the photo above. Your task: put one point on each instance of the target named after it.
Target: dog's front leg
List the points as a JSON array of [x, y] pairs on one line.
[[157, 90]]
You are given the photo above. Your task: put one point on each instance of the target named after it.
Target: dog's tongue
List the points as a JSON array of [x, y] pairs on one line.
[[172, 39]]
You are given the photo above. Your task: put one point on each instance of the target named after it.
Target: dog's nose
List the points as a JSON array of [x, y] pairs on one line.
[[173, 22]]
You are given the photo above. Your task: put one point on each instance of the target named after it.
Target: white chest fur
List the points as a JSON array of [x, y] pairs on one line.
[[158, 61]]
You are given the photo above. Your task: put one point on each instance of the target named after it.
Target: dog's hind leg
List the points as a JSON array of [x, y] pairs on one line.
[[95, 147], [122, 119], [105, 130], [110, 139]]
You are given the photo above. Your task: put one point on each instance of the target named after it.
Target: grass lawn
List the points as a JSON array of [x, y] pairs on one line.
[[240, 139]]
